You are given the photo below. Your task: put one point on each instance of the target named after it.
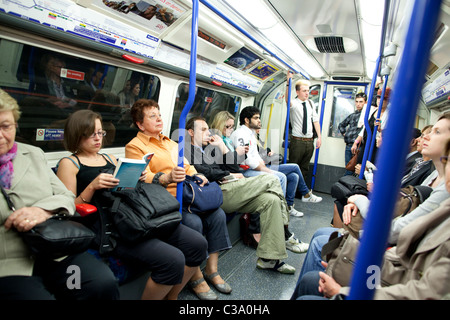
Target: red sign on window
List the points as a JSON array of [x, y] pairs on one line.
[[72, 74]]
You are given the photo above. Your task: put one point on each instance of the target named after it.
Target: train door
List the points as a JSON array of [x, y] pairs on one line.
[[339, 104]]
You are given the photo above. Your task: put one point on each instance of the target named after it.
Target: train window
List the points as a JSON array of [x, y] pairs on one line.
[[343, 105], [207, 104], [49, 86]]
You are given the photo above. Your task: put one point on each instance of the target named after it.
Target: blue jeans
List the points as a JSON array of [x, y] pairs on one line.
[[308, 288], [348, 156], [291, 179], [313, 256]]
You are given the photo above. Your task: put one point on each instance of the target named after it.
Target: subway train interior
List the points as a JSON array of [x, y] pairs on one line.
[[108, 54]]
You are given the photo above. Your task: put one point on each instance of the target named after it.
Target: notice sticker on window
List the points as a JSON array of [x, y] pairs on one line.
[[49, 134], [72, 74]]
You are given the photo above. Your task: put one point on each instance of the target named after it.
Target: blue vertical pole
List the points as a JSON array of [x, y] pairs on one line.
[[387, 4], [286, 129], [191, 96], [316, 159], [404, 102], [375, 127], [366, 118]]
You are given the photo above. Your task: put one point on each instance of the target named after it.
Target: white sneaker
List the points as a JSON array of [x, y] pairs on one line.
[[312, 198], [275, 265], [296, 246], [294, 212]]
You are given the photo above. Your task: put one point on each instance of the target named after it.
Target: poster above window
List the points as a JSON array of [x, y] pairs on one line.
[[243, 59], [264, 71], [153, 15]]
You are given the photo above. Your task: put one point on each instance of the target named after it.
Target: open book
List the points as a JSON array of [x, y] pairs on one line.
[[128, 171]]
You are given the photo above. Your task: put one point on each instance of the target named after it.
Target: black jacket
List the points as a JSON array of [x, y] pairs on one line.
[[212, 163]]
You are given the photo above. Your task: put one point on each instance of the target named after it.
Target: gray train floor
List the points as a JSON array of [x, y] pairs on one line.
[[238, 265]]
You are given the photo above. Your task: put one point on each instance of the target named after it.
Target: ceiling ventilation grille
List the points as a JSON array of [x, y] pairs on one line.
[[330, 44]]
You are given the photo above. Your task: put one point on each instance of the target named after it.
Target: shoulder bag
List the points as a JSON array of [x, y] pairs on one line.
[[409, 199], [350, 166], [340, 254], [347, 186], [201, 200], [56, 237]]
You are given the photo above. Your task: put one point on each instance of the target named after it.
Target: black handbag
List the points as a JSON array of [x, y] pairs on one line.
[[146, 211], [201, 200], [56, 237], [348, 186]]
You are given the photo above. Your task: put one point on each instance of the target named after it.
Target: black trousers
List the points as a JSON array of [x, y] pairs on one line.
[[78, 277]]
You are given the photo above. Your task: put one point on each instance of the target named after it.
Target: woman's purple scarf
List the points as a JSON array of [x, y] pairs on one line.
[[6, 167]]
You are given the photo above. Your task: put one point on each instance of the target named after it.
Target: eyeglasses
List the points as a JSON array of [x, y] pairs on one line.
[[99, 134], [7, 128], [444, 160]]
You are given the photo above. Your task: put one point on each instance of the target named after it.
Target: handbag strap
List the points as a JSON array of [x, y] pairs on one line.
[[8, 199]]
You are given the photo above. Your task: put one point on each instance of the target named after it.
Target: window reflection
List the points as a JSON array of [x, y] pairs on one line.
[[343, 106], [49, 86], [207, 104]]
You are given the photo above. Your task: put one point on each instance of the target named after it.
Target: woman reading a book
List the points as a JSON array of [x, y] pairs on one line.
[[172, 260], [163, 169]]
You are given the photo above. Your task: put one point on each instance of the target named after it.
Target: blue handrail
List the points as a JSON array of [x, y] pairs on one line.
[[366, 118], [316, 157], [286, 131], [387, 4], [375, 127], [404, 102], [191, 96], [248, 35]]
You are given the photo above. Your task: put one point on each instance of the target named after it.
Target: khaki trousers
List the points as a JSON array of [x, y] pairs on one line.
[[261, 194]]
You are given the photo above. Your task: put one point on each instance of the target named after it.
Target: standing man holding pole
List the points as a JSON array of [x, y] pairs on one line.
[[304, 121]]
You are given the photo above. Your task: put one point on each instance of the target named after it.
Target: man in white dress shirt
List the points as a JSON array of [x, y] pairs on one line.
[[304, 121]]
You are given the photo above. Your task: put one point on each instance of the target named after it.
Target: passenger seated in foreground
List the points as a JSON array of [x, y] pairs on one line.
[[24, 277], [290, 176], [417, 268], [173, 259], [163, 170], [261, 194], [432, 143]]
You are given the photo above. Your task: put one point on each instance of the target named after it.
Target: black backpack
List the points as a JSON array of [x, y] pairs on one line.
[[146, 211], [348, 186]]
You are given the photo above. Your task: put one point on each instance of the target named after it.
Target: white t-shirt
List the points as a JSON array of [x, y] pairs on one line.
[[240, 137]]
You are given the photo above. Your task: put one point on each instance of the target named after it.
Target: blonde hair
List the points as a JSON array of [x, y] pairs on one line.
[[220, 120], [8, 103], [302, 82]]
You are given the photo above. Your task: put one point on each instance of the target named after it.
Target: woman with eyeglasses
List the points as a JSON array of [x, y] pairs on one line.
[[82, 174], [37, 194], [223, 122]]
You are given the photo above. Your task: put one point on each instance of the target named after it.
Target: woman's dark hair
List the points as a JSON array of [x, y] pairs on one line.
[[79, 125]]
